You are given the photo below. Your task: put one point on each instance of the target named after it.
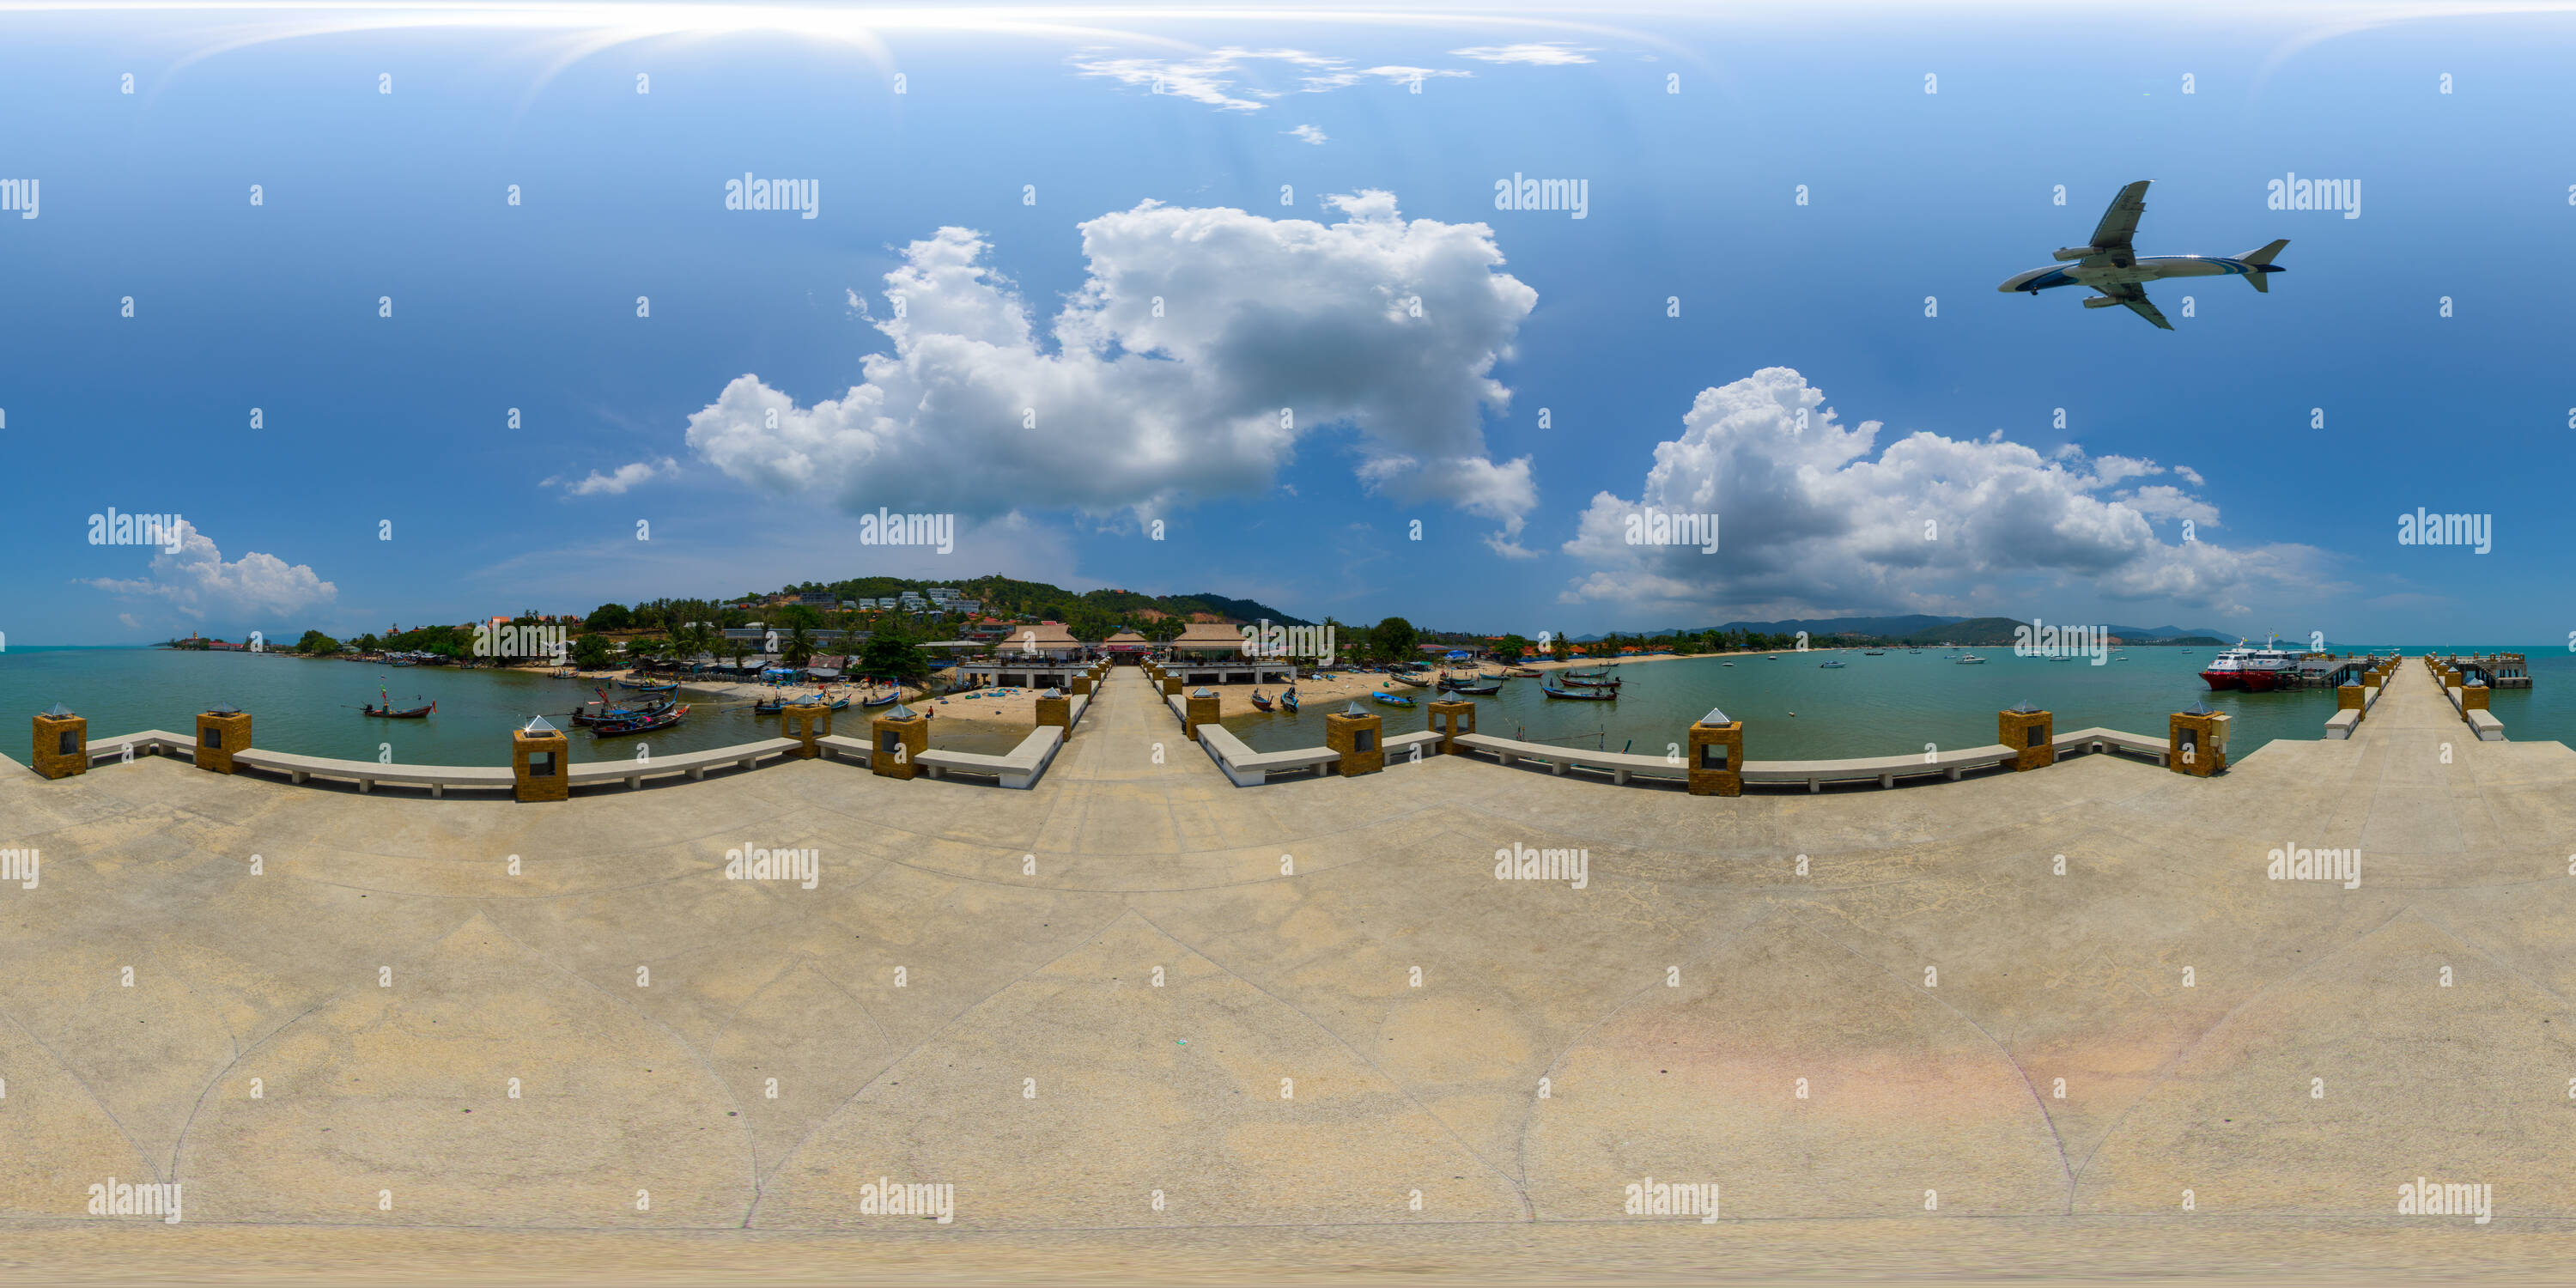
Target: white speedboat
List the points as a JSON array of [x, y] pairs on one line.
[[1971, 660]]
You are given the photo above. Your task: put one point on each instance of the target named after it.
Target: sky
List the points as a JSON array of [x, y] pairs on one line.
[[1186, 300]]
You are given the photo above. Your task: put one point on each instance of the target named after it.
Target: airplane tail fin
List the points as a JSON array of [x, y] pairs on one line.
[[2261, 259]]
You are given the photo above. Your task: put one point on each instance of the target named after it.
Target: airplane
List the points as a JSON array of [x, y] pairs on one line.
[[2109, 265]]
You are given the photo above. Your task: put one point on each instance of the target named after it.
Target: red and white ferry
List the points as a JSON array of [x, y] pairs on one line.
[[2254, 670]]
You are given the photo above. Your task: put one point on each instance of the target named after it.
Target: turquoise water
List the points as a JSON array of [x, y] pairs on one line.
[[1794, 709], [312, 707], [1873, 706]]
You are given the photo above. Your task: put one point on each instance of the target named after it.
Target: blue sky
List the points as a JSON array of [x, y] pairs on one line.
[[371, 420]]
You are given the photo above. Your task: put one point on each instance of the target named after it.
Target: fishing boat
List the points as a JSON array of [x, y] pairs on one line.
[[1524, 672], [1486, 690], [768, 706], [387, 712], [1829, 666], [1874, 652], [1580, 695], [886, 700], [1392, 699], [1409, 681], [1586, 682], [1288, 700], [1259, 703], [649, 686], [662, 719]]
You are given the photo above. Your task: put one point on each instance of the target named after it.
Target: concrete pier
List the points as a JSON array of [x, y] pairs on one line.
[[1862, 1015]]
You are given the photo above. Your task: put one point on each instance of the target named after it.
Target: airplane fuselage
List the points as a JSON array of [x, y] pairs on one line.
[[2144, 269]]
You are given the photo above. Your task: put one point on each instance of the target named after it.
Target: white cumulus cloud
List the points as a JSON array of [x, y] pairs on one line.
[[1552, 53], [1815, 517], [1204, 344], [616, 482], [1211, 78], [197, 581], [1309, 133]]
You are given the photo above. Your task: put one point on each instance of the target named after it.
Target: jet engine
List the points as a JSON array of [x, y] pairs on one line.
[[2099, 302], [2074, 252]]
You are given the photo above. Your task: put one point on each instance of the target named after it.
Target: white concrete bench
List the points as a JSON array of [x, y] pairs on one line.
[[2083, 741], [1619, 765], [1020, 770], [693, 763], [838, 746], [1249, 768], [2343, 723], [2486, 726], [150, 742], [367, 773], [1886, 769]]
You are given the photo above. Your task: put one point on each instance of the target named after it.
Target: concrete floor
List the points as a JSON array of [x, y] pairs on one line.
[[969, 996]]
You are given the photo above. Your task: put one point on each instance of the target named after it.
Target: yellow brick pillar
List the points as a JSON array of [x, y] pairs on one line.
[[808, 723], [1056, 709], [1359, 738], [897, 740], [2349, 697], [1717, 756], [2196, 742], [1081, 685], [2028, 731], [2474, 697], [539, 762], [1202, 708], [1171, 686], [62, 743], [1451, 717], [221, 732]]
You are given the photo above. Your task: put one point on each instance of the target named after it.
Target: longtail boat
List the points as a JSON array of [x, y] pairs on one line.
[[1288, 700], [1610, 694], [663, 719], [386, 711], [1259, 703], [1392, 699]]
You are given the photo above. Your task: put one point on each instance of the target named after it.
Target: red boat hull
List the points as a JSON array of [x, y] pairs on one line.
[[2224, 679]]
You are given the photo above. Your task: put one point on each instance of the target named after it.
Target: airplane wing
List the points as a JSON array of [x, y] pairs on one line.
[[2120, 222], [2135, 296]]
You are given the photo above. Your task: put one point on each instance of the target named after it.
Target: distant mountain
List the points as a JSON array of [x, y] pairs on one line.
[[2168, 632], [1979, 631], [1815, 627]]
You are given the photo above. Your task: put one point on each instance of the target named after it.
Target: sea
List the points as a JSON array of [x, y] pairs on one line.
[[1793, 708]]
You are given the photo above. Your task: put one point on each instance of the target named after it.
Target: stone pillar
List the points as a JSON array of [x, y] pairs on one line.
[[1446, 717], [1360, 739], [220, 733], [61, 743], [2474, 698], [2349, 698], [1171, 686], [540, 768], [808, 723], [897, 740], [2029, 734], [1717, 757], [1056, 709], [1202, 708], [2196, 744], [1081, 685]]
